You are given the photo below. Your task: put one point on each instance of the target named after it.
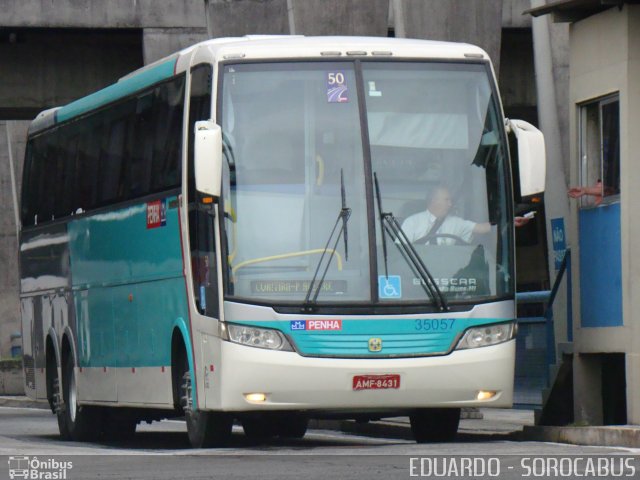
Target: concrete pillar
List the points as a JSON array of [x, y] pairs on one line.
[[478, 22], [9, 281], [552, 87], [633, 388]]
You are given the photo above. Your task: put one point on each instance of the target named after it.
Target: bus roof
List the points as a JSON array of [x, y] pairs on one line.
[[258, 47]]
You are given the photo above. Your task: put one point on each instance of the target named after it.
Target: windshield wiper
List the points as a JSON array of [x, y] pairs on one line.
[[389, 225], [345, 213]]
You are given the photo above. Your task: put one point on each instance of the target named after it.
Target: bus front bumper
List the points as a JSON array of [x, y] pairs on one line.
[[292, 382]]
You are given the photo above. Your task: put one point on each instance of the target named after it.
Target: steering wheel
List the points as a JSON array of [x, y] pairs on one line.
[[459, 240]]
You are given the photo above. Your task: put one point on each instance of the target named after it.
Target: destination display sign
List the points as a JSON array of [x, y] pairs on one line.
[[296, 286]]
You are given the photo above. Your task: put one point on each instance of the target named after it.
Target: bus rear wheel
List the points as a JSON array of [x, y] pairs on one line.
[[205, 429], [435, 424], [75, 422]]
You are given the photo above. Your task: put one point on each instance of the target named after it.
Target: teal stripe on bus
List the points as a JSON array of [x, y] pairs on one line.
[[128, 286], [398, 337], [116, 91]]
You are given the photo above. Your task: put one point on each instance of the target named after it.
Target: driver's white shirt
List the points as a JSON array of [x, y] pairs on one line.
[[418, 225]]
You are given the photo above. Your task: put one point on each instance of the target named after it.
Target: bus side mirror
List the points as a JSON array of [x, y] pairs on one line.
[[532, 162], [208, 158]]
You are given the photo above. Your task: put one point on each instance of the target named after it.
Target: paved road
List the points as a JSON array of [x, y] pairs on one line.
[[161, 450]]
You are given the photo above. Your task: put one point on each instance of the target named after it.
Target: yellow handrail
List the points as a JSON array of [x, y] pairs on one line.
[[289, 255]]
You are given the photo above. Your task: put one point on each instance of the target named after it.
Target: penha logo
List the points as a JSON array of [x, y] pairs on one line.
[[332, 325], [35, 469], [156, 214], [324, 324]]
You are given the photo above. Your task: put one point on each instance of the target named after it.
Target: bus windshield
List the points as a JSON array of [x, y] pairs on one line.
[[431, 132]]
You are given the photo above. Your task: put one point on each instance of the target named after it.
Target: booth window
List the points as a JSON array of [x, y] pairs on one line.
[[600, 147]]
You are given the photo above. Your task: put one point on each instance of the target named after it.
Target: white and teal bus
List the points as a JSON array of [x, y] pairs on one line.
[[221, 235]]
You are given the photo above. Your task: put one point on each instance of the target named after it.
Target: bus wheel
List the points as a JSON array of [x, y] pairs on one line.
[[435, 424], [58, 405], [205, 429], [292, 427], [76, 422], [259, 428]]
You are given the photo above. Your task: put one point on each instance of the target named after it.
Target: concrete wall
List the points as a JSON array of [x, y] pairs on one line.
[[59, 51], [301, 17], [517, 75], [631, 198], [54, 67], [512, 14], [9, 302], [102, 13], [160, 42], [340, 17], [605, 59], [11, 378], [478, 22], [241, 17]]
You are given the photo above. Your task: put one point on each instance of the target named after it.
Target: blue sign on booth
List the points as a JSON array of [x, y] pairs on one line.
[[559, 242]]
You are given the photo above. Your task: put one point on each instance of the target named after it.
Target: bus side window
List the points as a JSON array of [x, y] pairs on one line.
[[201, 220], [34, 179], [169, 106], [111, 163]]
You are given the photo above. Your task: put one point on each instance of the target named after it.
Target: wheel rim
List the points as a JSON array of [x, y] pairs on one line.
[[58, 403], [186, 400], [72, 395]]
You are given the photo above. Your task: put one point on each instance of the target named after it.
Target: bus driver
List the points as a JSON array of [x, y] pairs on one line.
[[436, 226]]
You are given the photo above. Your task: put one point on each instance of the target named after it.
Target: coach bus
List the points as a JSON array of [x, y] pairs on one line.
[[223, 235]]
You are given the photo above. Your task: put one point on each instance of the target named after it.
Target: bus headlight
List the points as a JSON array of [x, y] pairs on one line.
[[257, 337], [487, 335]]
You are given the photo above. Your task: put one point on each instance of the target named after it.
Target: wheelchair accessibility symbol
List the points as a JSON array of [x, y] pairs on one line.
[[390, 287]]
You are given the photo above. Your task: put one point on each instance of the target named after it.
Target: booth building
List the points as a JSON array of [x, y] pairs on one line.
[[604, 112]]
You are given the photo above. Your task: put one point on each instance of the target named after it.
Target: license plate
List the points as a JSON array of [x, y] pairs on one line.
[[376, 382]]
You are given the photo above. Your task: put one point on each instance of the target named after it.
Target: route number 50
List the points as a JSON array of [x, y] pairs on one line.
[[336, 78]]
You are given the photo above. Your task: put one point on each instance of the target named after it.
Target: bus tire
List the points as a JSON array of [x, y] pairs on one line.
[[205, 429], [293, 427], [435, 424], [76, 422]]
